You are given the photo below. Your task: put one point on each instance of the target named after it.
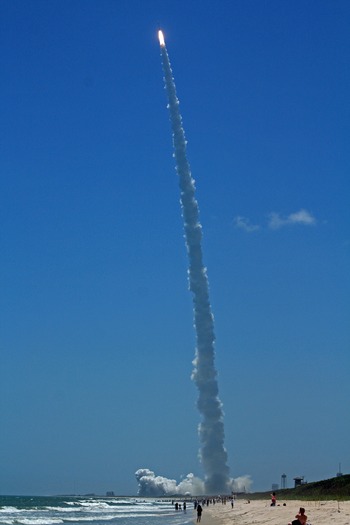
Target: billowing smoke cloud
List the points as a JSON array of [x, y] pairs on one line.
[[151, 485], [213, 454], [154, 486]]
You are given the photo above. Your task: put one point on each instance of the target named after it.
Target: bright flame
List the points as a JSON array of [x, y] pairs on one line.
[[161, 38]]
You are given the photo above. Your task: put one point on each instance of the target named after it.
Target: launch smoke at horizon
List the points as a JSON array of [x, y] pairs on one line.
[[213, 454]]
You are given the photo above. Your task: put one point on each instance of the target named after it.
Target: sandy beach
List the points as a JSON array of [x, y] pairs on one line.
[[260, 512]]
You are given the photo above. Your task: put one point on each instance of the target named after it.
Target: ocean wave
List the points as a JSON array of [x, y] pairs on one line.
[[76, 519], [113, 517], [63, 509], [95, 504], [107, 509], [87, 511], [38, 521], [8, 510]]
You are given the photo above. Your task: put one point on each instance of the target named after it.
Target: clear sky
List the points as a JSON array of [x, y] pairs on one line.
[[96, 334]]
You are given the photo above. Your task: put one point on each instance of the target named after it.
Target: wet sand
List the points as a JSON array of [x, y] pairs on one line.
[[260, 512]]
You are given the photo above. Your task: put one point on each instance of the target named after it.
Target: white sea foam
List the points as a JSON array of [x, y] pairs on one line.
[[95, 504], [39, 521], [4, 510], [110, 517], [63, 509]]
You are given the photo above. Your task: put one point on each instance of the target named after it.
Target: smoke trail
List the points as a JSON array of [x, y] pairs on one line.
[[211, 430]]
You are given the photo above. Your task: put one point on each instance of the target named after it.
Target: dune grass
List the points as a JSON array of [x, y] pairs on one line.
[[329, 489]]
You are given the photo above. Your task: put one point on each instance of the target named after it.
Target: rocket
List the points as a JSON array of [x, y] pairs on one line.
[[161, 38]]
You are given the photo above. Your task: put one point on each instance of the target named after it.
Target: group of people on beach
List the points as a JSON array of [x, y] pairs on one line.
[[178, 506], [300, 518], [199, 504]]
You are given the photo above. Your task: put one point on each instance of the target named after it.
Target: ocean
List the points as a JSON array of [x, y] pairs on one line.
[[46, 510]]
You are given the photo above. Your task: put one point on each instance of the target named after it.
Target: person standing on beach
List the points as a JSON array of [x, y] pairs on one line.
[[273, 499], [301, 518], [199, 512]]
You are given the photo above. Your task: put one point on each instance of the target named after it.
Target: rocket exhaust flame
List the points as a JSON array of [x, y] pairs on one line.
[[161, 38], [211, 429]]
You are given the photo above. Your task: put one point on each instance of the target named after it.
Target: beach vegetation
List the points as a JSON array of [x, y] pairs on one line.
[[337, 488]]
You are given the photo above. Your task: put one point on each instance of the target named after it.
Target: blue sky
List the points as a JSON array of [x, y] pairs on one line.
[[96, 334]]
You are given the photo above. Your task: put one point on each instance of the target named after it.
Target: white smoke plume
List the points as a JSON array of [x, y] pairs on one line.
[[241, 484], [154, 486], [213, 454]]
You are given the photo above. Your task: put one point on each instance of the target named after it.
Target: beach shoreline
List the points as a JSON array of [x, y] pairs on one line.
[[260, 512]]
